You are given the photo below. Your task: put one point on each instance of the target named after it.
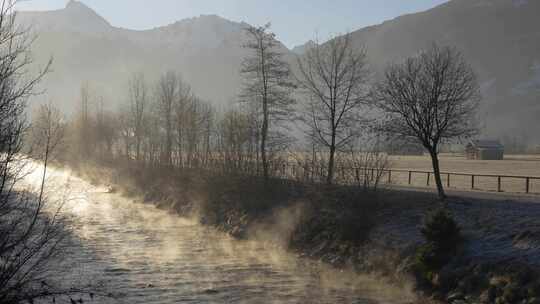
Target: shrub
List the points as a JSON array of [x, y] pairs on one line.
[[441, 230], [443, 237]]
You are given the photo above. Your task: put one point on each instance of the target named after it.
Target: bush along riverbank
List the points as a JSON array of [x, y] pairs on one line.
[[402, 236]]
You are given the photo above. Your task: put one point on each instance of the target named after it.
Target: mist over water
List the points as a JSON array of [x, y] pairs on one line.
[[144, 255]]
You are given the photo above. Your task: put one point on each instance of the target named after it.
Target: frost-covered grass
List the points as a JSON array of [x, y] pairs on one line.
[[496, 227]]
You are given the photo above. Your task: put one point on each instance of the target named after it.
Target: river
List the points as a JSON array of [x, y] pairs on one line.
[[145, 255]]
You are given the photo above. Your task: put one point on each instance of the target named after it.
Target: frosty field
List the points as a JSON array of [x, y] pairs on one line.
[[511, 169]]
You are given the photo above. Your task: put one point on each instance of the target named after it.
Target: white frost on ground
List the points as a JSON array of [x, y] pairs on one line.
[[498, 228]]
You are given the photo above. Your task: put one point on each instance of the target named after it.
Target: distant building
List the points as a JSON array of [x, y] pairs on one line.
[[485, 150]]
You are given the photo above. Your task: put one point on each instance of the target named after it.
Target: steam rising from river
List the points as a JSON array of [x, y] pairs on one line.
[[146, 255]]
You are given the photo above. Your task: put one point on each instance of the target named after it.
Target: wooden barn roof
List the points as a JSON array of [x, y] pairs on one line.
[[486, 144]]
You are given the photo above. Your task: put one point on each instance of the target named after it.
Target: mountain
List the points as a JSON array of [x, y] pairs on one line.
[[500, 38], [207, 51], [301, 49], [75, 17]]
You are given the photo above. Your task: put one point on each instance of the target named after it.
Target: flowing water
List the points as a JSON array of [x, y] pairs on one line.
[[145, 255]]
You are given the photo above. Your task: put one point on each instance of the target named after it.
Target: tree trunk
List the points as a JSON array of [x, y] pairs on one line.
[[264, 134], [138, 148], [263, 142], [437, 174], [330, 176], [127, 149], [168, 143]]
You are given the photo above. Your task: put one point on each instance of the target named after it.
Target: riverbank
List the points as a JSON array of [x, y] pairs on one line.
[[375, 233]]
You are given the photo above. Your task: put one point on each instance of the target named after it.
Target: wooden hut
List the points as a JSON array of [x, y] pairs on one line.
[[485, 150]]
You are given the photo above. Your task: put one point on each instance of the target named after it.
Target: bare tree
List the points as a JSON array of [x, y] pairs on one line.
[[138, 101], [84, 133], [104, 130], [29, 237], [152, 142], [431, 97], [207, 121], [167, 94], [334, 77], [366, 163], [196, 120], [124, 130], [267, 84], [233, 139], [47, 136], [181, 107]]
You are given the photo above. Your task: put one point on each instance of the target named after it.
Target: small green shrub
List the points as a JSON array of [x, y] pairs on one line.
[[443, 237], [442, 231]]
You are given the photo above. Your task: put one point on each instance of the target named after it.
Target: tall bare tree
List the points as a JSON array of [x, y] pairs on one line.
[[47, 133], [334, 77], [124, 131], [268, 84], [84, 140], [29, 237], [181, 116], [138, 103], [167, 94], [207, 121], [104, 130], [233, 139], [432, 98]]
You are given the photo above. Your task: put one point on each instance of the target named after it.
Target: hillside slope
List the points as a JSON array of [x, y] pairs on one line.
[[500, 38], [206, 50]]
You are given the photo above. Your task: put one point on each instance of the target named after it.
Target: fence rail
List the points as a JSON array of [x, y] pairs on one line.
[[350, 175], [409, 177], [474, 180]]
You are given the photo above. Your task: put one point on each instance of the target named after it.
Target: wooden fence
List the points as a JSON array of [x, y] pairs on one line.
[[306, 172], [418, 178], [467, 181]]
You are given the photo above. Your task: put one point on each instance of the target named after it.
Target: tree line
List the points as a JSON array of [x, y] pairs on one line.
[[332, 97]]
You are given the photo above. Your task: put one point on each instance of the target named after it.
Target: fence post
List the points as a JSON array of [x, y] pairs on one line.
[[499, 188], [389, 176], [410, 177], [528, 184], [428, 176], [472, 181], [448, 180]]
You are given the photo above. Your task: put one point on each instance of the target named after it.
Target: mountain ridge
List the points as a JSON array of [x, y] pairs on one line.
[[500, 38]]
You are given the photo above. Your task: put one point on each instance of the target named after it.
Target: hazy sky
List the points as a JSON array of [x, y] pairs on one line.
[[294, 21]]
